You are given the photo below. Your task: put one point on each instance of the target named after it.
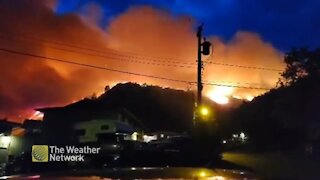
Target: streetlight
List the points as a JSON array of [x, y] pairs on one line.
[[203, 115], [204, 111]]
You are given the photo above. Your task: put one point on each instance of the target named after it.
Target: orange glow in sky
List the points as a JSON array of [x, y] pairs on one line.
[[142, 40]]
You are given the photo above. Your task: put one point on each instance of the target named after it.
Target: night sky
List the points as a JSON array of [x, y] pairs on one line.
[[285, 24]]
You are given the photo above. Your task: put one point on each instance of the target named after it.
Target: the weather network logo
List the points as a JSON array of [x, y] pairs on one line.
[[40, 153]]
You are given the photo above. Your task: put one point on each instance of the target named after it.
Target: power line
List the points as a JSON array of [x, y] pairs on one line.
[[238, 83], [115, 52], [235, 86], [247, 67], [121, 71], [113, 57], [89, 65], [148, 58]]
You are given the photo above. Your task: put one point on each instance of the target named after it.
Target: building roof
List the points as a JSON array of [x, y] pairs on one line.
[[9, 123], [87, 104], [6, 126], [84, 103], [30, 123]]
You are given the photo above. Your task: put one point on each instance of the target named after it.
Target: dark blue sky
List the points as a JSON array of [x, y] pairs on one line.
[[284, 23]]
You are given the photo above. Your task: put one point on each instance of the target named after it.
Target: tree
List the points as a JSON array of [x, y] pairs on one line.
[[107, 88], [301, 63]]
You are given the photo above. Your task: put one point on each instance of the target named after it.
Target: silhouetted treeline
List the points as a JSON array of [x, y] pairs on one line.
[[288, 117]]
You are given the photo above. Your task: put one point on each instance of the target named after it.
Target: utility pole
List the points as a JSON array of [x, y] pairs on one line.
[[201, 112], [199, 35]]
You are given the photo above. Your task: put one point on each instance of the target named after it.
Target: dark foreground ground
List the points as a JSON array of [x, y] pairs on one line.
[[276, 165]]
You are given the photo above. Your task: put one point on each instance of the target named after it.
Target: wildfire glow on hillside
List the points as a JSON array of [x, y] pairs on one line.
[[220, 94], [142, 40], [37, 115]]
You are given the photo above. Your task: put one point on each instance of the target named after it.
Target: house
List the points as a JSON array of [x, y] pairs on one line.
[[6, 126], [102, 130], [59, 123], [32, 127], [19, 138]]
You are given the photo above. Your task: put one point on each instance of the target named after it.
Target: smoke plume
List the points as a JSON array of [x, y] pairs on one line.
[[142, 40]]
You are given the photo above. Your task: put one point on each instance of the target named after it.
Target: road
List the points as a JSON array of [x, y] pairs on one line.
[[276, 165]]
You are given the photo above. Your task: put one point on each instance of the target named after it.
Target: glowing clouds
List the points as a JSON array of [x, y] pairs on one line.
[[26, 82]]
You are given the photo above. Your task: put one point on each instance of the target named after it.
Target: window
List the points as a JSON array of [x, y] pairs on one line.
[[105, 127]]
